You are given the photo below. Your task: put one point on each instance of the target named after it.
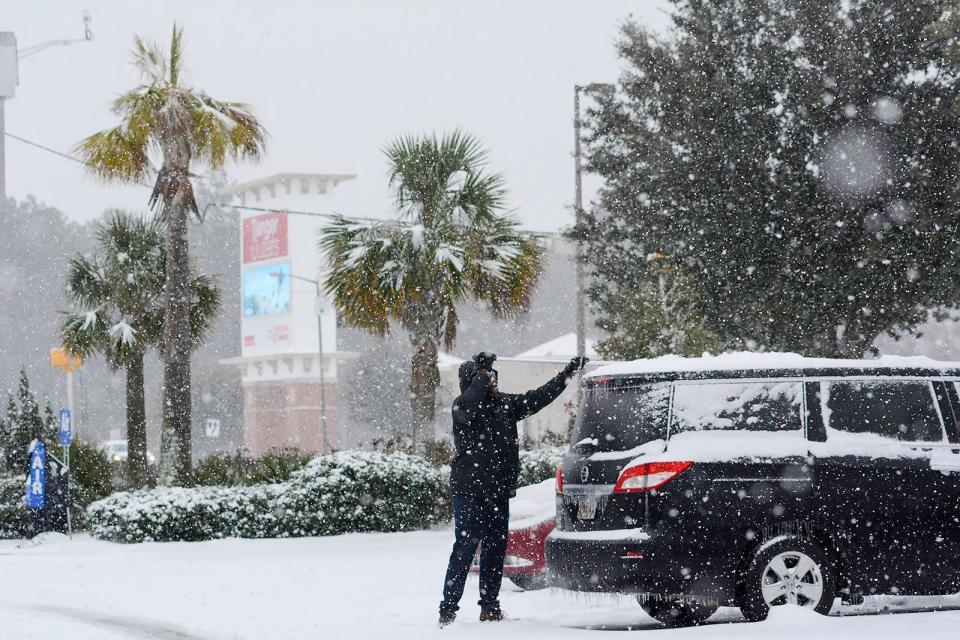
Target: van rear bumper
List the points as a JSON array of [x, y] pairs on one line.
[[633, 561]]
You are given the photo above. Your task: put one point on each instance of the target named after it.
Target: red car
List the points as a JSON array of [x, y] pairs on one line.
[[532, 518]]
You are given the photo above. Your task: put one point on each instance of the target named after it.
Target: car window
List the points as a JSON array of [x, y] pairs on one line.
[[747, 406], [622, 418], [897, 409]]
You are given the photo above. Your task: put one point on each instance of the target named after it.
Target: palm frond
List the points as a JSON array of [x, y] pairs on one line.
[[86, 284], [225, 129], [505, 266], [367, 272], [205, 299], [112, 155], [442, 181], [139, 109], [176, 55], [85, 334], [150, 61]]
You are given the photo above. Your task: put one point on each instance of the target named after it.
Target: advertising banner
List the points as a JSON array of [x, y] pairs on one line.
[[265, 237], [37, 478], [266, 290]]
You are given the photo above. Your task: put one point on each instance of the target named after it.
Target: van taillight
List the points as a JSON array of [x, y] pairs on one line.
[[651, 475], [559, 480]]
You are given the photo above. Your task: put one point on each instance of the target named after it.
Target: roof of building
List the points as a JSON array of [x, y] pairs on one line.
[[561, 347]]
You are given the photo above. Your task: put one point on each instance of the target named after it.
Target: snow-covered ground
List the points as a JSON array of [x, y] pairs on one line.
[[352, 586]]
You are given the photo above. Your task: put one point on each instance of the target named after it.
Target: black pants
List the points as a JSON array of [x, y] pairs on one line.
[[477, 520]]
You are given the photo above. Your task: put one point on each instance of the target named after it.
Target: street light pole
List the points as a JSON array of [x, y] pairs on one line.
[[578, 220], [578, 211], [323, 387]]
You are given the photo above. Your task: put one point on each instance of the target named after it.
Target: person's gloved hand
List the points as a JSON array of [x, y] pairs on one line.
[[576, 364]]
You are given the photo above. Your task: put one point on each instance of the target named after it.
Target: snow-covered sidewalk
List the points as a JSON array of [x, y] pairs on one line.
[[352, 586]]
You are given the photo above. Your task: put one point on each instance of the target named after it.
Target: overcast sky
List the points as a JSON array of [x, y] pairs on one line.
[[333, 82]]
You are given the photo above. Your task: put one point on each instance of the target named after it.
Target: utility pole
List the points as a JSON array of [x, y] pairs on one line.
[[9, 79], [8, 88], [578, 211]]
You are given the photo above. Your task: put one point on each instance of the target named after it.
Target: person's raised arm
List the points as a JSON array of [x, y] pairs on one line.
[[469, 401], [526, 404]]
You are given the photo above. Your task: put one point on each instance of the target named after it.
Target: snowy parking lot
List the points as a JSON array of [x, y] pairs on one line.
[[351, 586]]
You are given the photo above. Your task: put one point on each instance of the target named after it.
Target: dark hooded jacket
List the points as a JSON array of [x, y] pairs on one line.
[[487, 461]]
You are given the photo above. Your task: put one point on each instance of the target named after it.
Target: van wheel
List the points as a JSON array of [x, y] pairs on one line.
[[789, 570], [676, 614], [529, 581]]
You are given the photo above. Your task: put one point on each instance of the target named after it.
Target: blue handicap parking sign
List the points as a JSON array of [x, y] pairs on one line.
[[66, 427], [37, 478]]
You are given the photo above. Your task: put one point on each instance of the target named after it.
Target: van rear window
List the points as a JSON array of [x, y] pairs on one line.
[[736, 406], [621, 418]]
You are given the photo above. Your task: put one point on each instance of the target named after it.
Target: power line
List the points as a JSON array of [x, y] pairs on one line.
[[295, 212], [230, 206], [64, 155], [48, 149]]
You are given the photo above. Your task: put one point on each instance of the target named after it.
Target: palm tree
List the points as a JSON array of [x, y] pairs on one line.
[[120, 289], [450, 242], [162, 118]]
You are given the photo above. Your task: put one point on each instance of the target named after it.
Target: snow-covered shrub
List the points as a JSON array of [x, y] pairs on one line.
[[339, 493], [363, 491], [14, 518], [173, 513], [238, 469], [537, 465]]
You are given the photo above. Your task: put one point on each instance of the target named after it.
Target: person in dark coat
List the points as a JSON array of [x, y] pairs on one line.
[[484, 473]]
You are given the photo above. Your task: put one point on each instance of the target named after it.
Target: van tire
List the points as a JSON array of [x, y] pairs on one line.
[[676, 614], [818, 578]]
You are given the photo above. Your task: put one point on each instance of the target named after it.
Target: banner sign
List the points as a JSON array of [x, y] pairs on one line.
[[66, 427], [37, 479], [265, 237], [266, 290]]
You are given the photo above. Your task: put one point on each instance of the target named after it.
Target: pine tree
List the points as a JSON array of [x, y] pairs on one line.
[[797, 159], [24, 423], [664, 316]]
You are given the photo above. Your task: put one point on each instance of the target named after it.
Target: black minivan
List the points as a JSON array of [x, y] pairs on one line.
[[756, 480]]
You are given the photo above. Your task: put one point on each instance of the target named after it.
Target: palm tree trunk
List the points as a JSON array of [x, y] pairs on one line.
[[176, 440], [136, 424], [424, 380]]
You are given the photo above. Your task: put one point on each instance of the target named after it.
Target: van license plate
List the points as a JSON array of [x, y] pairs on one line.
[[587, 510]]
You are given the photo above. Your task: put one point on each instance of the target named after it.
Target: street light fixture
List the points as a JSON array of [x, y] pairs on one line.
[[279, 275], [593, 87], [9, 55]]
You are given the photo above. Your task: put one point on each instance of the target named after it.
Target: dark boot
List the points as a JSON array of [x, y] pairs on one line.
[[491, 614], [446, 618]]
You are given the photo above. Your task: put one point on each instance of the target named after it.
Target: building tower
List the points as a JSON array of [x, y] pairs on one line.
[[282, 336]]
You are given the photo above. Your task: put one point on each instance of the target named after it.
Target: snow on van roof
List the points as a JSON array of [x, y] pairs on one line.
[[745, 360]]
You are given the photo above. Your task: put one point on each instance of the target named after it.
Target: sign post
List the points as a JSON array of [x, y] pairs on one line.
[[66, 438], [63, 359]]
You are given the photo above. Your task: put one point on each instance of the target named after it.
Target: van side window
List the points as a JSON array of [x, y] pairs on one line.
[[747, 406], [898, 409]]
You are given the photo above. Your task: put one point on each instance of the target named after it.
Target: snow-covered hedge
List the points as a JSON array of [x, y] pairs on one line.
[[537, 465], [198, 513], [339, 493], [363, 491], [14, 518]]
